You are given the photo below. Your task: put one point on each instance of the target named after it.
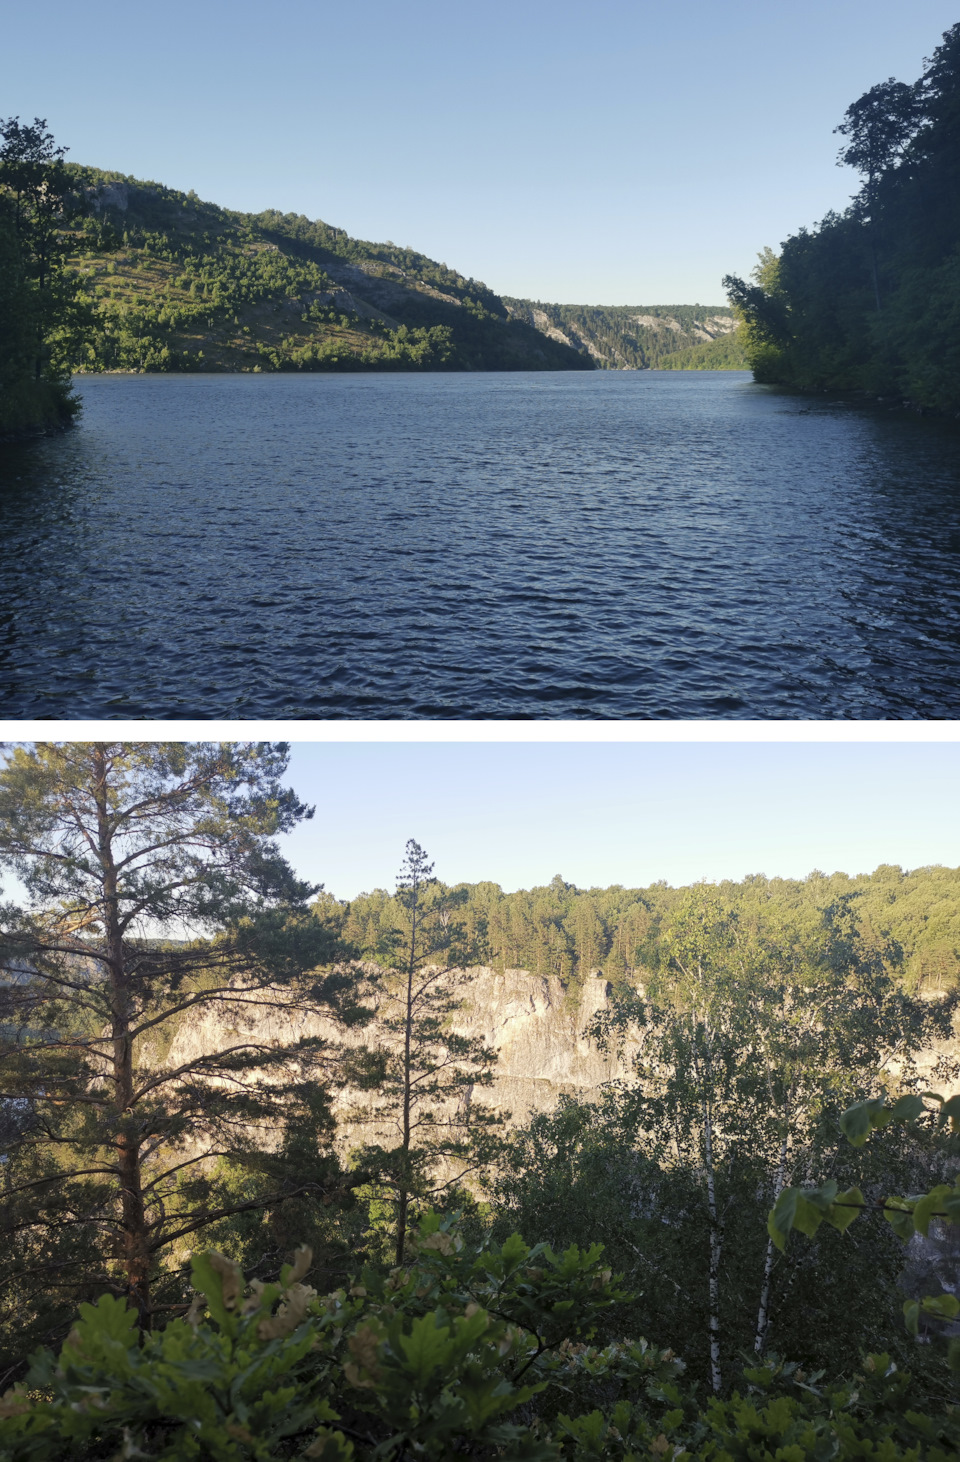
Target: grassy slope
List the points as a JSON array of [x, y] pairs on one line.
[[178, 284], [641, 337]]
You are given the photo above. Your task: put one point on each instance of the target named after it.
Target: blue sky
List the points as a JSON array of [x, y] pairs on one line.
[[616, 151], [627, 813]]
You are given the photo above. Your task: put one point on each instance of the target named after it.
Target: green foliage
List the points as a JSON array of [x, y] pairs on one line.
[[224, 1390], [443, 1352], [726, 353], [485, 1352], [804, 1209], [110, 1147], [785, 1415], [752, 1016], [868, 300], [276, 1197], [176, 284], [666, 1166], [912, 919], [44, 319], [427, 1076]]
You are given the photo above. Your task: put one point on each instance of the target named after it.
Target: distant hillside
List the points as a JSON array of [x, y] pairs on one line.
[[640, 337], [179, 284]]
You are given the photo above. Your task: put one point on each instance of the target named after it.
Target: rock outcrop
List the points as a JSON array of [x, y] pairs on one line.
[[536, 1025], [619, 337]]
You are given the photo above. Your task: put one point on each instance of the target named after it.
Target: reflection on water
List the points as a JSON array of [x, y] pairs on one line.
[[522, 545]]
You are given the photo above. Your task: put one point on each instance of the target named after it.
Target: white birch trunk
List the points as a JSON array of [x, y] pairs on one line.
[[763, 1314], [716, 1244]]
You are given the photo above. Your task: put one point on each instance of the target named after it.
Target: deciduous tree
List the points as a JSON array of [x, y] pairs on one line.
[[746, 1040], [43, 201]]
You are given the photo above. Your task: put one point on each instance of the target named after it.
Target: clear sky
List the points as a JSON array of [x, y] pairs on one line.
[[602, 814], [591, 151]]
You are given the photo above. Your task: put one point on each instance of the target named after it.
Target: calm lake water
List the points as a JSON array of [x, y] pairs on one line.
[[599, 545]]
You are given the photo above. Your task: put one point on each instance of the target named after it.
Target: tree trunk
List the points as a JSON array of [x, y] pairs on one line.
[[404, 1187], [134, 1247], [872, 235], [763, 1313], [716, 1245], [716, 1236], [876, 275]]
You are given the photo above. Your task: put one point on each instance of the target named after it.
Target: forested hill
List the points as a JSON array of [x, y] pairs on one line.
[[911, 918], [179, 284], [640, 337]]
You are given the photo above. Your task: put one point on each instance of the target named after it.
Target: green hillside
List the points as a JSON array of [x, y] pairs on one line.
[[640, 337], [100, 271], [179, 284]]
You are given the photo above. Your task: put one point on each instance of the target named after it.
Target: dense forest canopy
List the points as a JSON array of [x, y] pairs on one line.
[[569, 932], [869, 300]]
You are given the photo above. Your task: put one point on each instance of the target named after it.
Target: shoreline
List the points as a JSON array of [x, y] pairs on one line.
[[36, 433]]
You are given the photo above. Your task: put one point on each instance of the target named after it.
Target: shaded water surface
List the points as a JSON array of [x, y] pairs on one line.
[[608, 545]]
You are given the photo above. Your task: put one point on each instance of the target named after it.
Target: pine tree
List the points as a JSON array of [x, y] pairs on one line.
[[428, 1072], [157, 897]]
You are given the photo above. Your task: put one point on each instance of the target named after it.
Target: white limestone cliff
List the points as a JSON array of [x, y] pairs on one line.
[[535, 1024]]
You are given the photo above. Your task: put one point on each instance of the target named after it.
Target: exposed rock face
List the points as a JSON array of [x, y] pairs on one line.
[[620, 337], [708, 329], [657, 322], [539, 1032], [533, 1022], [110, 195]]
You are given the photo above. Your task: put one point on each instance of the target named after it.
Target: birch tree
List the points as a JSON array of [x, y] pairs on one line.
[[749, 1039]]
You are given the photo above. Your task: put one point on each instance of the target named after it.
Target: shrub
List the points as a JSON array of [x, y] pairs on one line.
[[481, 1352]]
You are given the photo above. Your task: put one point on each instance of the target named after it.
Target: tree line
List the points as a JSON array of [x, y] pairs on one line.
[[568, 932], [44, 320], [867, 300], [481, 1288]]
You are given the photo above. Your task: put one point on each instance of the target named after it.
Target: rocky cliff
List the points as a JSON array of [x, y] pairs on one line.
[[535, 1023], [624, 337]]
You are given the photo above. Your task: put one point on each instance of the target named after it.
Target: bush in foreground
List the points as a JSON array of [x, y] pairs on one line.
[[464, 1352]]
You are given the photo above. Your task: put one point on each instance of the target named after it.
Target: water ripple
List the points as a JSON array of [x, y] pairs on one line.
[[653, 545]]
